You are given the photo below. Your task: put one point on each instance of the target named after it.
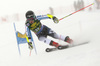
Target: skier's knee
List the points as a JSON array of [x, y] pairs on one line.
[[45, 40]]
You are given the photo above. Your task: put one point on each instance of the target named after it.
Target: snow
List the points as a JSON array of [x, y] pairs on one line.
[[82, 26]]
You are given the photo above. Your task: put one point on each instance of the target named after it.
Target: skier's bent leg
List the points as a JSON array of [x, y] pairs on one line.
[[55, 35], [49, 42], [45, 40], [61, 37]]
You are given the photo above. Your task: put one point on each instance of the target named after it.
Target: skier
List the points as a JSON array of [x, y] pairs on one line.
[[42, 31]]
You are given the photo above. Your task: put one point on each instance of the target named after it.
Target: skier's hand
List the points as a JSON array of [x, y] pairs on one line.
[[55, 19], [30, 45]]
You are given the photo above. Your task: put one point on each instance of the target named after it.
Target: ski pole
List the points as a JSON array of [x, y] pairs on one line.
[[30, 53], [76, 11]]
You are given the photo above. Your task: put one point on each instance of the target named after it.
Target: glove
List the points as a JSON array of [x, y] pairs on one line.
[[30, 45], [55, 19]]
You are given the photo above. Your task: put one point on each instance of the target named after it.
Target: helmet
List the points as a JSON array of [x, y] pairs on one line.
[[30, 14]]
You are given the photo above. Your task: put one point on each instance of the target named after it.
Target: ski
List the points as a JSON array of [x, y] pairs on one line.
[[53, 49], [64, 47]]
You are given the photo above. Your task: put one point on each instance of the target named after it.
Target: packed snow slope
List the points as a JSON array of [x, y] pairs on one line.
[[81, 27]]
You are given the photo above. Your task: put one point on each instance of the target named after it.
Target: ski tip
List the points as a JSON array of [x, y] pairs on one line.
[[48, 50]]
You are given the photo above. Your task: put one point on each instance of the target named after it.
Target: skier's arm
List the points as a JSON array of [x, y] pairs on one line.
[[29, 43], [28, 38], [48, 16]]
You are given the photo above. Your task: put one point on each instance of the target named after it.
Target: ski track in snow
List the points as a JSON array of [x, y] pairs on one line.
[[84, 26]]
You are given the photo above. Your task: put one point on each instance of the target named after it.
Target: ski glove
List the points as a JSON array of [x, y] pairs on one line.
[[55, 20], [53, 17], [30, 45]]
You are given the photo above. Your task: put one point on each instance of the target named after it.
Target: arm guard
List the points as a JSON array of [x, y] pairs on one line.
[[50, 16]]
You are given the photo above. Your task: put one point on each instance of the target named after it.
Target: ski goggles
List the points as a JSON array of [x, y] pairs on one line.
[[29, 16]]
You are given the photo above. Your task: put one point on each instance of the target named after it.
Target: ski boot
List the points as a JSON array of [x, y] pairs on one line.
[[52, 43], [58, 46], [68, 40]]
